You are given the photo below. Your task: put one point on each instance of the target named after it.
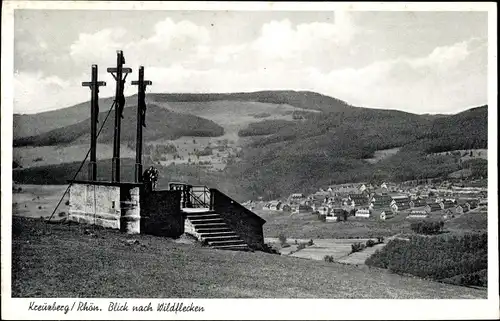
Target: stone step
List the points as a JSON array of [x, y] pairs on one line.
[[206, 221], [202, 230], [228, 237], [243, 247], [201, 216], [226, 242], [201, 213], [209, 225], [211, 234]]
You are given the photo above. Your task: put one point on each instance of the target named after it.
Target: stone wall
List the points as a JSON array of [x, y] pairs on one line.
[[241, 220], [126, 207], [95, 204], [161, 213]]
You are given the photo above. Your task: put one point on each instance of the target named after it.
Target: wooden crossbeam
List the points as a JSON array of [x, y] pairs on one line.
[[124, 70], [144, 82], [90, 83]]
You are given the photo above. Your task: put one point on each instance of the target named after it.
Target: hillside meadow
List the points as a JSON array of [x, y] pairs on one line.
[[106, 263]]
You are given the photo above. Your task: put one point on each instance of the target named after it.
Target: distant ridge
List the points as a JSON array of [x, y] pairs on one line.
[[161, 124], [33, 124], [290, 151]]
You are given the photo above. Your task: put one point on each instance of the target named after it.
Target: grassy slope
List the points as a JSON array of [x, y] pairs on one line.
[[65, 262], [35, 124], [469, 222]]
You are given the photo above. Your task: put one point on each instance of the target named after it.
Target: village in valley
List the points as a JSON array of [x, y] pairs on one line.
[[444, 200]]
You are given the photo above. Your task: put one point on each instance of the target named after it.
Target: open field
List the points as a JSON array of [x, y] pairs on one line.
[[309, 226], [39, 201], [473, 221], [338, 249], [68, 261], [51, 155]]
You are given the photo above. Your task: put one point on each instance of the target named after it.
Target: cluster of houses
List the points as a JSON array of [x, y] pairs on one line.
[[382, 202]]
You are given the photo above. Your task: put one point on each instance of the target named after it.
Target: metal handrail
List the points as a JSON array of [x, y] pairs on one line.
[[192, 195]]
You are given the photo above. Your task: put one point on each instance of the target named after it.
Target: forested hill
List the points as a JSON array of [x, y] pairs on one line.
[[161, 124], [333, 148], [299, 99], [466, 130]]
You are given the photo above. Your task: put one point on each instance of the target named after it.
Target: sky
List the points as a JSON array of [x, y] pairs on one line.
[[420, 62]]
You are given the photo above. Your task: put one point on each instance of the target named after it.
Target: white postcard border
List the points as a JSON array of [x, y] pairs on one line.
[[244, 309]]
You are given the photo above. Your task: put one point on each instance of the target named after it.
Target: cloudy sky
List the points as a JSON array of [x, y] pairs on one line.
[[421, 62]]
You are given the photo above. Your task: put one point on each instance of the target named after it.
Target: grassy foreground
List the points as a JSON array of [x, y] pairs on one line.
[[78, 261]]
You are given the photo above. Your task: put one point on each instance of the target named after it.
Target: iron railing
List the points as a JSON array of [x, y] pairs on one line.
[[192, 196]]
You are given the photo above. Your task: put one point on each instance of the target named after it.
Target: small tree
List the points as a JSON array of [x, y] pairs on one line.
[[328, 258], [426, 227], [356, 247], [282, 238]]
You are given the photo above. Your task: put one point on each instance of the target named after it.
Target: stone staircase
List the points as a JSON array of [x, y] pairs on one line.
[[209, 227]]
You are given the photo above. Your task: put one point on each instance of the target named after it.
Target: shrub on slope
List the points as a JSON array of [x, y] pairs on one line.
[[439, 257]]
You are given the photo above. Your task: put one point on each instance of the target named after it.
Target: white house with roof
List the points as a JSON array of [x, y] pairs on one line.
[[384, 215], [364, 213], [418, 214], [296, 198], [275, 205], [323, 210]]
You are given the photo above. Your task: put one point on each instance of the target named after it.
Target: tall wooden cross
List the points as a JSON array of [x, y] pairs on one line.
[[141, 121], [94, 114], [118, 73]]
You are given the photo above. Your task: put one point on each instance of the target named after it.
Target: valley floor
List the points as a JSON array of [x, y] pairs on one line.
[[60, 260]]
